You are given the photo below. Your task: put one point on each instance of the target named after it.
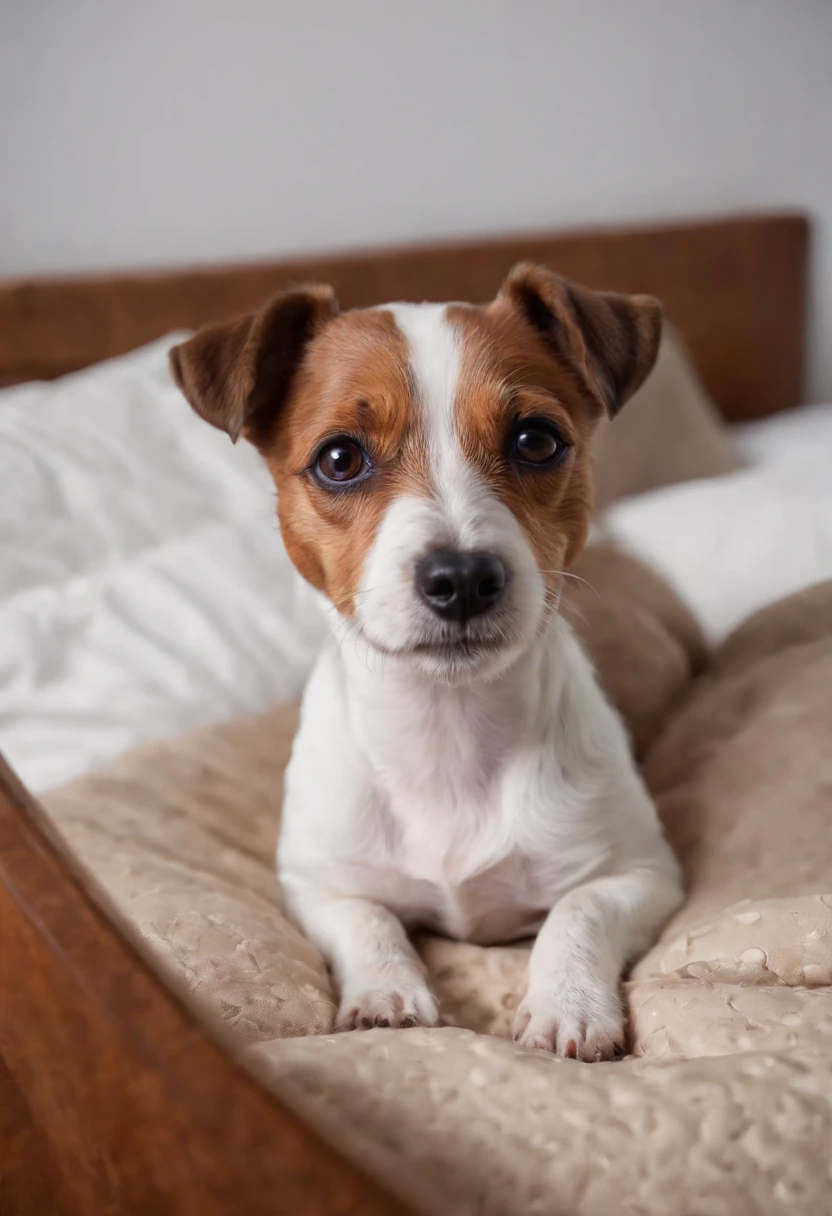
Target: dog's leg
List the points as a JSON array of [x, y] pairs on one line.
[[572, 1005], [380, 976]]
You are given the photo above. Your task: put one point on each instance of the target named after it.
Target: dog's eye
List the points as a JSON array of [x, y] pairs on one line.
[[340, 460], [536, 441]]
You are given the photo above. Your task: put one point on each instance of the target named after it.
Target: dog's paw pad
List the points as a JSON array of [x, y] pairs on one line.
[[579, 1022]]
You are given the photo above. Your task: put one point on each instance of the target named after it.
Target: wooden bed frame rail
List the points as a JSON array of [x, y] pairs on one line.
[[735, 289]]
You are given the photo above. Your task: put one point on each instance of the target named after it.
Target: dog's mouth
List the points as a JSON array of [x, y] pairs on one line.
[[465, 648], [459, 648]]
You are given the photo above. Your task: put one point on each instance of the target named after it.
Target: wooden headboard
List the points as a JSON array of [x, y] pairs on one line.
[[734, 288]]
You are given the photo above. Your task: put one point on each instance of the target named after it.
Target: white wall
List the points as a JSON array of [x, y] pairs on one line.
[[158, 132]]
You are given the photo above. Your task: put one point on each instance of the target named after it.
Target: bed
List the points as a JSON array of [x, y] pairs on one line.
[[118, 1091]]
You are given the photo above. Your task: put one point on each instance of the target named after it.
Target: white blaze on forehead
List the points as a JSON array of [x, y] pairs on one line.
[[435, 351], [435, 360]]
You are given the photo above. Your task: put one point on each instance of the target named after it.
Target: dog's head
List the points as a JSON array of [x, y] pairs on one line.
[[431, 461]]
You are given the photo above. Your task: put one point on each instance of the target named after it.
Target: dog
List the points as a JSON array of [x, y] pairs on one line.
[[457, 767]]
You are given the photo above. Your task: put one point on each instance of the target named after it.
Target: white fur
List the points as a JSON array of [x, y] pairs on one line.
[[489, 796]]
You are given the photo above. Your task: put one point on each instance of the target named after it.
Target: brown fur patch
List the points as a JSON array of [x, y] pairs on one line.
[[507, 372], [607, 341], [236, 374], [354, 379]]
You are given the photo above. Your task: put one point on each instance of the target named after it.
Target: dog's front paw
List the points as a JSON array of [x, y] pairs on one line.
[[583, 1020], [389, 1000]]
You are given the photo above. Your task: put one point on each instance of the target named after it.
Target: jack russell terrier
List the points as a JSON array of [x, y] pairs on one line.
[[457, 767]]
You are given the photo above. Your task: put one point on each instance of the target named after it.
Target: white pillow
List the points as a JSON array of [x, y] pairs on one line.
[[730, 545], [793, 435], [144, 588]]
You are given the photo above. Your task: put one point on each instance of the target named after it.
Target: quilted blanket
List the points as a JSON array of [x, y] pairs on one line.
[[724, 1105]]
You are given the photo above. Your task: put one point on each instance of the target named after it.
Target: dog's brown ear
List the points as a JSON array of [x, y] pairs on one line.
[[610, 341], [237, 374]]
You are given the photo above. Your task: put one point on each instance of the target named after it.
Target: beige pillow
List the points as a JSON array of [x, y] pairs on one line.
[[671, 431], [645, 644]]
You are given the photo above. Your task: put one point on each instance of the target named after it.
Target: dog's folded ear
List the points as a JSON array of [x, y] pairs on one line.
[[237, 374], [610, 341]]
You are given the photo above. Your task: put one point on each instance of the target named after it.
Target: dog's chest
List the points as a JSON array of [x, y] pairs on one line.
[[459, 868], [496, 904], [447, 842]]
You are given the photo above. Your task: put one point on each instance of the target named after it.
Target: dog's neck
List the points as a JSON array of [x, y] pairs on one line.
[[419, 732]]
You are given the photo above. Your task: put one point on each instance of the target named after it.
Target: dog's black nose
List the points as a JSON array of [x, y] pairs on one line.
[[458, 586]]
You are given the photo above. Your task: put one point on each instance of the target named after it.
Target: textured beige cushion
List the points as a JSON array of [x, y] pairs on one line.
[[182, 836], [726, 1107], [671, 431], [645, 643]]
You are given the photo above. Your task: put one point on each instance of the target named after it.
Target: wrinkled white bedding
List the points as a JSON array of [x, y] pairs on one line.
[[730, 545], [143, 590], [142, 586]]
